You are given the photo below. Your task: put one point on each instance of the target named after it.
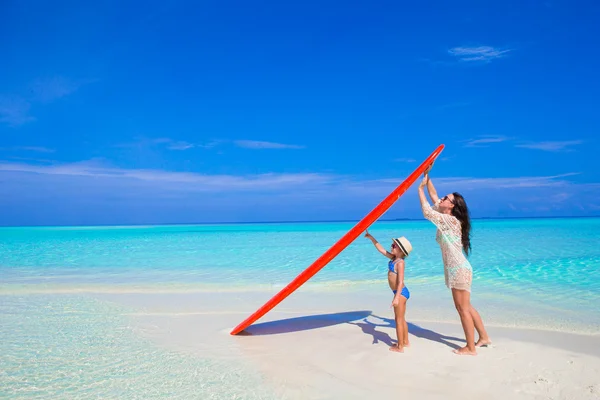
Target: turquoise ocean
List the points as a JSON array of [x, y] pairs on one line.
[[60, 342]]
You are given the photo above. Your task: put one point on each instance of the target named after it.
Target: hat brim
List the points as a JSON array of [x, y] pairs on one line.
[[400, 246]]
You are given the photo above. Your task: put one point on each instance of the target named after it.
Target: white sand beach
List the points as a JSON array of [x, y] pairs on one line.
[[335, 345]]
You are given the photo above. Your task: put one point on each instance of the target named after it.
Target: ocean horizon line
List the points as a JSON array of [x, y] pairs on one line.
[[140, 225]]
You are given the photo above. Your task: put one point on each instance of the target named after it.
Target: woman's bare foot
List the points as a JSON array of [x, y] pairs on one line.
[[483, 342], [406, 344], [464, 351], [397, 349]]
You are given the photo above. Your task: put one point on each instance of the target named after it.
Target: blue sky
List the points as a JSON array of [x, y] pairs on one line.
[[152, 112]]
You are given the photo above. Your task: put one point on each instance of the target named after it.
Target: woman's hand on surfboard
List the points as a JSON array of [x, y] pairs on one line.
[[426, 173], [424, 181], [367, 234]]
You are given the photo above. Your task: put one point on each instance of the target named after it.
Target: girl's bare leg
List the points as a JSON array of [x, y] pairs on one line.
[[399, 312]]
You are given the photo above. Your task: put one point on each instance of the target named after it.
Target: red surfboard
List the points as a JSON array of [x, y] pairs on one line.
[[340, 245]]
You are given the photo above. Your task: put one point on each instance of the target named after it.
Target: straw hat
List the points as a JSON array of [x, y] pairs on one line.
[[403, 244]]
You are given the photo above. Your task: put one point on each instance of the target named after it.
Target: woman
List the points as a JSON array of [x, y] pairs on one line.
[[451, 216]]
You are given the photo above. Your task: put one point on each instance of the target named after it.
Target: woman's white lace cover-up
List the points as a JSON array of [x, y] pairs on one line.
[[458, 272]]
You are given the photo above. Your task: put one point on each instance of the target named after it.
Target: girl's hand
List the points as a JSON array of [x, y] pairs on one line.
[[396, 302], [424, 181], [367, 234]]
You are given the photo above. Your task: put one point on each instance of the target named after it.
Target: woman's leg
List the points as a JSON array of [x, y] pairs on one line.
[[484, 339], [462, 302], [399, 312]]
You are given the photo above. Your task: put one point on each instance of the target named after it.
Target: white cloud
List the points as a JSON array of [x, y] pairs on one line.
[[34, 159], [551, 146], [504, 183], [477, 54], [405, 160], [172, 144], [270, 196], [46, 90], [188, 180], [36, 149], [561, 197], [463, 183], [99, 169], [14, 111], [155, 141], [485, 141], [254, 144], [209, 145], [180, 145], [168, 143]]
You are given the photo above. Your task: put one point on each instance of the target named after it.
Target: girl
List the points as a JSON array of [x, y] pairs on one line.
[[451, 216], [400, 249]]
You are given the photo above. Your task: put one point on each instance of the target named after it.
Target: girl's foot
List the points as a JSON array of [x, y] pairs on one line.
[[464, 351], [406, 344], [483, 342], [397, 349]]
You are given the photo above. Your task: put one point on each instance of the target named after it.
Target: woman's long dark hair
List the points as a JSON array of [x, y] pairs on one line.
[[461, 212]]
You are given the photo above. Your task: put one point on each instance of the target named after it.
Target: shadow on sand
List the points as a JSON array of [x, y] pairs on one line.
[[415, 330], [357, 318], [303, 323], [368, 328]]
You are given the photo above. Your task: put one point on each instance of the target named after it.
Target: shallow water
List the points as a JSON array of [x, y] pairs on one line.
[[59, 342], [73, 347], [550, 258]]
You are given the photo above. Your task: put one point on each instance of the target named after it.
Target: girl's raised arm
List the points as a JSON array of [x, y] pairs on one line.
[[378, 246]]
